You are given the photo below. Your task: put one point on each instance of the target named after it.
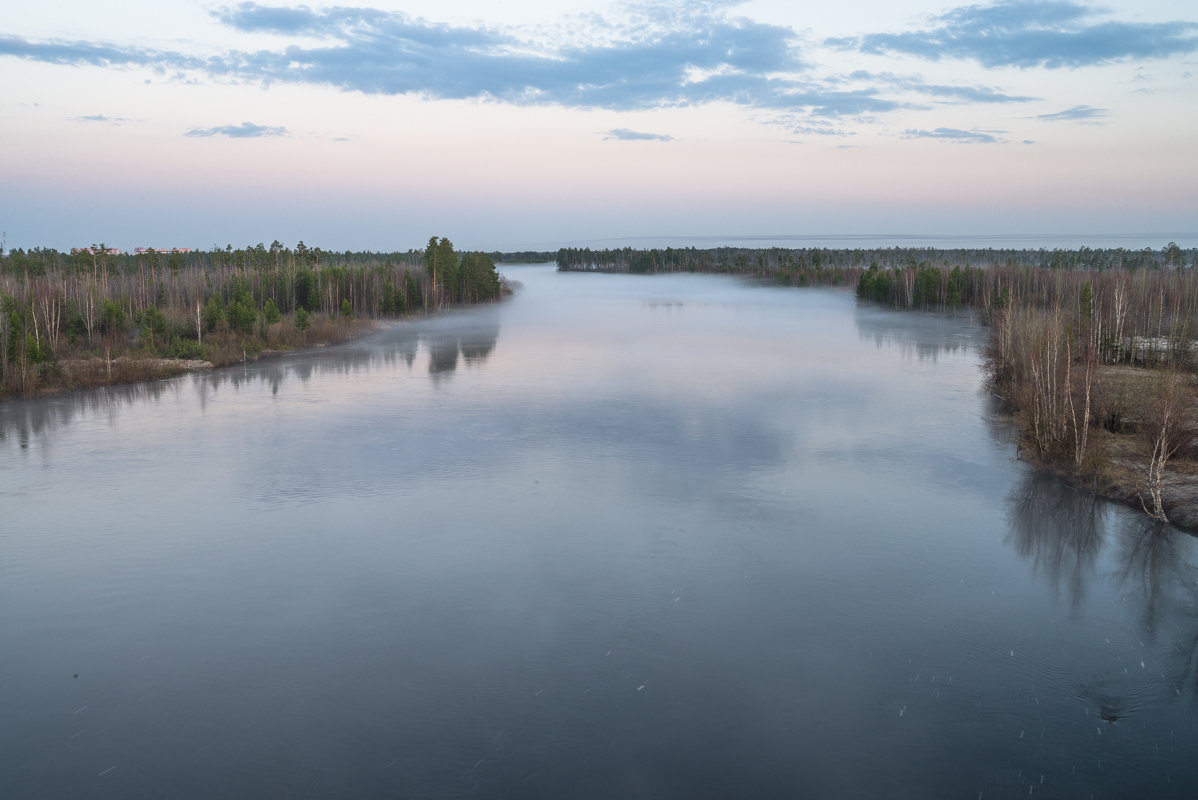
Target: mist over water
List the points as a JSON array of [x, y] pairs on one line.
[[619, 536]]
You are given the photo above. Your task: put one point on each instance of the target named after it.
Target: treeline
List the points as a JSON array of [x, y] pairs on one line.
[[95, 317], [1098, 365], [1144, 317], [786, 262], [38, 260], [521, 257], [778, 265]]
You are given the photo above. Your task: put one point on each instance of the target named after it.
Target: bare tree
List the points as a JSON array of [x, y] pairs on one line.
[[1164, 423]]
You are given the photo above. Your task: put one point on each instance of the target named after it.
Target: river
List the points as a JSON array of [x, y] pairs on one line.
[[617, 536]]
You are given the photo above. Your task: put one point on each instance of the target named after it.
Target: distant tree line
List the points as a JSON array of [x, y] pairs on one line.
[[779, 265], [92, 316], [521, 257], [1038, 276], [785, 263]]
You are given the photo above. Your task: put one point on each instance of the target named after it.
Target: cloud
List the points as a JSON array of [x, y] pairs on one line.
[[916, 84], [953, 135], [73, 53], [625, 135], [661, 54], [618, 67], [800, 125], [246, 130], [1030, 33], [1075, 113], [100, 118], [270, 19]]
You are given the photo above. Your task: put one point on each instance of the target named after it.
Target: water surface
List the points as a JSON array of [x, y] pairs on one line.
[[620, 536]]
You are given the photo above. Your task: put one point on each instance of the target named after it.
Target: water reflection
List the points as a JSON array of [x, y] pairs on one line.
[[443, 354], [1058, 528], [1154, 567], [1064, 532], [23, 421], [924, 336], [470, 337], [1112, 563]]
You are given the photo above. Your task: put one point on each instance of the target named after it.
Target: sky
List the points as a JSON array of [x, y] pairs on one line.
[[526, 125]]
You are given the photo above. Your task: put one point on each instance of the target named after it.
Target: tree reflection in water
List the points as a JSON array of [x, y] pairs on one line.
[[471, 337], [1155, 565], [23, 421], [1060, 529], [472, 343], [923, 337]]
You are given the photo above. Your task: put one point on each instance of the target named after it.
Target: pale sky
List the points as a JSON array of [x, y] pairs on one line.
[[513, 125]]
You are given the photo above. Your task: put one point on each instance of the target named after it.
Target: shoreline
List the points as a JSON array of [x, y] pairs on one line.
[[77, 375], [97, 317], [1122, 477]]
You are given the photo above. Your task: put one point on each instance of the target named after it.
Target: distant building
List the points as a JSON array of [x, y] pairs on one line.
[[140, 250]]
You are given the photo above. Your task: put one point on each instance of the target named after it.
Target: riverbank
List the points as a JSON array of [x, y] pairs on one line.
[[281, 338], [1096, 359], [97, 318], [1123, 460]]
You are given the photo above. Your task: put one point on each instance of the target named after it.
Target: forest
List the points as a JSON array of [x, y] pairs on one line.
[[793, 266], [92, 316]]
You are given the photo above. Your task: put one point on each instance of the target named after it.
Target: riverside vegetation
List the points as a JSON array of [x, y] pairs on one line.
[[93, 317], [1092, 350], [1098, 367]]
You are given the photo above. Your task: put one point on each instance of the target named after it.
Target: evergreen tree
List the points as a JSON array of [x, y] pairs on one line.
[[441, 263], [477, 279]]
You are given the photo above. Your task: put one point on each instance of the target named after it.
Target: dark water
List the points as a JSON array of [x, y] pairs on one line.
[[617, 537]]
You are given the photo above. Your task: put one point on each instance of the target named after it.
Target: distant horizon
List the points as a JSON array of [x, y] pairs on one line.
[[839, 241]]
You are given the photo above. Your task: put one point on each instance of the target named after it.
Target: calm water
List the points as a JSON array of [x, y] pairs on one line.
[[619, 536]]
